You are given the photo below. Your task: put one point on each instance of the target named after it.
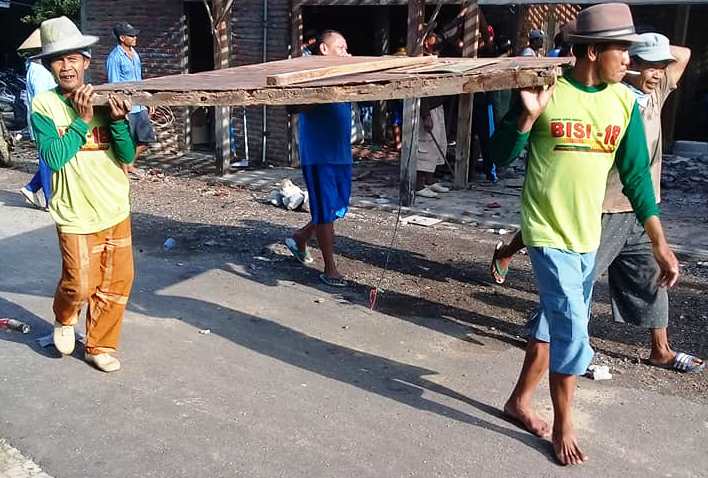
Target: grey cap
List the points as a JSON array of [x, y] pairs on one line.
[[652, 48]]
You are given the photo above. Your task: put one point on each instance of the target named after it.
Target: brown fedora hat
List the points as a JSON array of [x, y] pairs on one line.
[[603, 23]]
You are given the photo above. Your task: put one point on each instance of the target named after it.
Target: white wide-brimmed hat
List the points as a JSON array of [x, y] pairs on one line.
[[33, 42], [60, 35]]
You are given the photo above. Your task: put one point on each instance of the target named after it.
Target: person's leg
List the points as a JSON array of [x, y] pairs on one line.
[[564, 282], [35, 183], [45, 173], [325, 239], [565, 443], [114, 281], [303, 235], [519, 406], [74, 287], [636, 297]]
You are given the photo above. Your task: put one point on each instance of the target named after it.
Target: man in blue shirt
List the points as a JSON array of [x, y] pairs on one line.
[[38, 79], [123, 64], [326, 159]]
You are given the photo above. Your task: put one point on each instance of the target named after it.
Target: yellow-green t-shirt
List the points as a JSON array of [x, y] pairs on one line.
[[90, 191], [572, 147]]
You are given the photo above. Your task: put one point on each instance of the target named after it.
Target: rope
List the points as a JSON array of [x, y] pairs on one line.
[[162, 116]]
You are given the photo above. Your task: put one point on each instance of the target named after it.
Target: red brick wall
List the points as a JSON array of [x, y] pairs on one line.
[[161, 45]]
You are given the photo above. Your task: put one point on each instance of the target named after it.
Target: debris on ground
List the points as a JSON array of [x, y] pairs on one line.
[[421, 220], [290, 197], [599, 372], [205, 332], [15, 325]]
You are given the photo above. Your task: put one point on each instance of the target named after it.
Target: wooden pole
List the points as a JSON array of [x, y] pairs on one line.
[[382, 35], [296, 32], [222, 114], [464, 111], [411, 109]]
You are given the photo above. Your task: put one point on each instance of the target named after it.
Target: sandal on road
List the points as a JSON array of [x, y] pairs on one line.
[[303, 257], [495, 269], [682, 362], [333, 281]]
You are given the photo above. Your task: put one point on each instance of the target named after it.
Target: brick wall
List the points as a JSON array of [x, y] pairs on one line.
[[247, 48], [548, 18], [161, 45]]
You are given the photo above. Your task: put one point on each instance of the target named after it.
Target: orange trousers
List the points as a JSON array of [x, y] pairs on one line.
[[97, 270]]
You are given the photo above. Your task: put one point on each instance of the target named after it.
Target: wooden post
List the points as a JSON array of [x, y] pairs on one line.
[[382, 38], [464, 111], [295, 51], [411, 109], [680, 36], [222, 114]]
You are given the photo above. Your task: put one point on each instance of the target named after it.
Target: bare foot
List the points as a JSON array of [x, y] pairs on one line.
[[565, 446], [527, 419]]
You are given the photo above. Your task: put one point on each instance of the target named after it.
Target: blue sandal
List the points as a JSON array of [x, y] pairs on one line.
[[303, 257], [685, 363]]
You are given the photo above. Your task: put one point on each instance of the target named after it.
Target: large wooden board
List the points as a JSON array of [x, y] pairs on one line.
[[348, 68], [246, 85]]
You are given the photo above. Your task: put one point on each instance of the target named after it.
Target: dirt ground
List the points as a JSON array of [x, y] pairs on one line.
[[436, 277]]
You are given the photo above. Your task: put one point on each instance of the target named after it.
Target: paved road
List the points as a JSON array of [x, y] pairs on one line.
[[287, 386]]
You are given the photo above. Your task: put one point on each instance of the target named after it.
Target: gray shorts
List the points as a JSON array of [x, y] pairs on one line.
[[625, 253]]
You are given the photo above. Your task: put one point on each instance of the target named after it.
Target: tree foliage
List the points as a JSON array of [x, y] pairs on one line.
[[45, 9]]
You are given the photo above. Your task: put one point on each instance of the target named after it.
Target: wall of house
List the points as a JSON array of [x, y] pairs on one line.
[[548, 18], [246, 48], [162, 45]]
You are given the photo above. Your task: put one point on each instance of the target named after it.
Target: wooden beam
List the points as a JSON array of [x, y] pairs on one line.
[[385, 63], [296, 32], [464, 111], [411, 109], [222, 114], [407, 87], [382, 40]]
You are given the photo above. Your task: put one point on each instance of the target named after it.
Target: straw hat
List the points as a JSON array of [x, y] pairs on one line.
[[33, 42], [60, 35], [604, 23]]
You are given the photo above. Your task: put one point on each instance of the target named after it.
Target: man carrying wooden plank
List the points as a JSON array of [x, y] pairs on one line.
[[91, 204], [326, 159], [577, 131], [625, 251]]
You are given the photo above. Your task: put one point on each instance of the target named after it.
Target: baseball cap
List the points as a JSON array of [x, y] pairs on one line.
[[125, 28], [536, 35], [652, 48]]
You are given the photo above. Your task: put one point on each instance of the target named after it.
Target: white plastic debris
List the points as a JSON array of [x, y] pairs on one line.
[[205, 332], [599, 372], [289, 196]]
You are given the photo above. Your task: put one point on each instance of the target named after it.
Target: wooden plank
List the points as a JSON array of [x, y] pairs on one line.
[[464, 110], [386, 62], [365, 90]]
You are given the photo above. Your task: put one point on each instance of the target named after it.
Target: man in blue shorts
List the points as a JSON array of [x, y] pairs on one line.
[[326, 160], [577, 132]]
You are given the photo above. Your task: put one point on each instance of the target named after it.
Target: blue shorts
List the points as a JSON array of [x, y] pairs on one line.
[[329, 187], [564, 280]]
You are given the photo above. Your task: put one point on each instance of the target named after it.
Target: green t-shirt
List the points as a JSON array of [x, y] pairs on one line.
[[90, 191], [572, 147]]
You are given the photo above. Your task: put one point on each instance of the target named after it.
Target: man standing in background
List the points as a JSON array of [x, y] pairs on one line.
[[123, 64]]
